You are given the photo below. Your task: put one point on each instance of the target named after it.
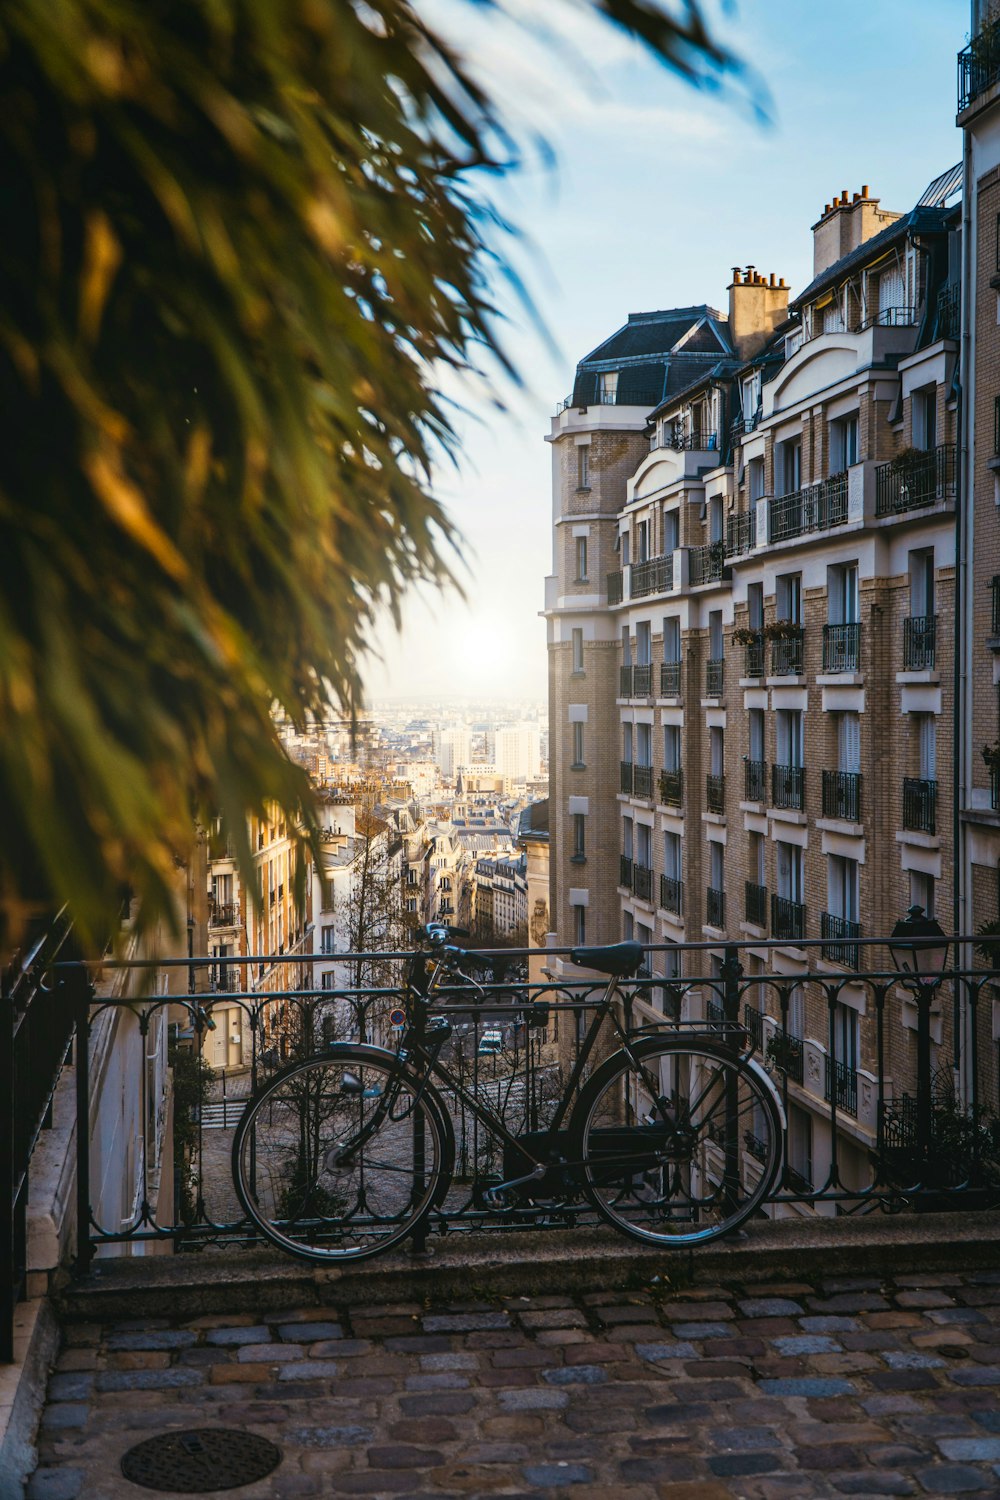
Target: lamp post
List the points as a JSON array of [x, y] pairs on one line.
[[918, 949]]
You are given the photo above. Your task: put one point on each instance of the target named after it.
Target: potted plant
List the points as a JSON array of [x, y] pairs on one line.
[[991, 755], [988, 944], [743, 635], [782, 630]]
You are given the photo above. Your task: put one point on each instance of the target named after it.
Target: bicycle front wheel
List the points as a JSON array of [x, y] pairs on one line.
[[680, 1146], [342, 1156]]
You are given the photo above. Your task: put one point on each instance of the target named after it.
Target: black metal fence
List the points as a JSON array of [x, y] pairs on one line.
[[906, 1120]]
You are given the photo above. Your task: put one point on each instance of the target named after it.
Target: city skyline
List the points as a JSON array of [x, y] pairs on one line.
[[644, 165]]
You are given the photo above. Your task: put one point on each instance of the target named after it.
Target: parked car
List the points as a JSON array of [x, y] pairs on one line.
[[491, 1042]]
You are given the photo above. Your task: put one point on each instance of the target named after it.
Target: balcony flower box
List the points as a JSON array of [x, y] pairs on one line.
[[783, 630]]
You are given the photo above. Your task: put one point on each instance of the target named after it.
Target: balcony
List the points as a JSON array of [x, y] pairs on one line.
[[715, 675], [715, 907], [949, 306], [755, 904], [625, 870], [788, 919], [672, 894], [656, 576], [919, 805], [840, 1085], [642, 781], [841, 648], [995, 610], [839, 952], [671, 788], [741, 533], [642, 681], [642, 882], [919, 642], [224, 914], [786, 653], [995, 788], [788, 787], [754, 780], [842, 795], [817, 507], [915, 479], [616, 587], [754, 1023], [715, 793], [786, 1053], [696, 441], [705, 563], [753, 656], [979, 65], [670, 679], [625, 769]]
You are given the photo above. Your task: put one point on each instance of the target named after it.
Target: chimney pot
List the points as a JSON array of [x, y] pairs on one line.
[[843, 195], [856, 198], [781, 282], [736, 276], [771, 282], [864, 191]]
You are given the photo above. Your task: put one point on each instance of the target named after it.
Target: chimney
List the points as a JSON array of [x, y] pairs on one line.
[[845, 223], [757, 304]]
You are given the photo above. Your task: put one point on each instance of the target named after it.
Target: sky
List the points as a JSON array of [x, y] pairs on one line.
[[650, 193]]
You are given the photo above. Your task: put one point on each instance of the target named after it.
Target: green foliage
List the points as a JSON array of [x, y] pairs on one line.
[[243, 244], [191, 1077]]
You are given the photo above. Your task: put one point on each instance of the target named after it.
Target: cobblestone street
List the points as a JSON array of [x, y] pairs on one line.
[[845, 1387]]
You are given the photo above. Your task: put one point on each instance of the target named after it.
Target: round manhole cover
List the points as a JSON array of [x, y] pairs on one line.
[[201, 1460]]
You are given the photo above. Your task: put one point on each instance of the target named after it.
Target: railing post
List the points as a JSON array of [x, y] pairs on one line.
[[82, 996], [8, 1270], [732, 971]]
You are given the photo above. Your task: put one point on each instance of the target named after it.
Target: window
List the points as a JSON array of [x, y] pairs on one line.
[[671, 747], [755, 605], [755, 479], [755, 728], [927, 744], [671, 639], [628, 837], [671, 530], [843, 443], [628, 732], [628, 926], [800, 1147], [715, 519], [644, 744], [642, 542], [644, 846], [789, 867], [579, 837], [842, 887], [626, 647], [922, 600], [717, 751], [842, 594], [583, 466], [788, 596], [717, 866], [715, 635], [579, 925], [581, 559], [922, 891], [411, 903], [577, 650], [328, 940], [788, 458], [891, 292], [788, 730], [796, 1012], [756, 855], [607, 387], [750, 394], [925, 417], [673, 856], [845, 1036], [329, 980], [625, 545], [643, 643], [578, 759], [849, 741]]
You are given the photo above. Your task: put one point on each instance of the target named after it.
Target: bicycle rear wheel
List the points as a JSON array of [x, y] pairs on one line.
[[338, 1159], [680, 1147]]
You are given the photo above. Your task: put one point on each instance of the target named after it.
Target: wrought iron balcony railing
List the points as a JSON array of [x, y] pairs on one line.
[[753, 657], [224, 914], [837, 952], [715, 793], [788, 919], [816, 507], [642, 681], [670, 679], [672, 894], [919, 805], [715, 907], [705, 563], [979, 65], [753, 1020], [995, 611], [841, 647], [625, 870], [642, 882], [786, 655], [715, 675], [671, 788], [842, 795], [994, 788], [788, 787], [741, 533], [616, 587], [653, 577], [919, 642], [949, 305], [890, 317], [915, 479], [642, 781], [841, 1083], [754, 780], [625, 770], [786, 1052], [755, 904]]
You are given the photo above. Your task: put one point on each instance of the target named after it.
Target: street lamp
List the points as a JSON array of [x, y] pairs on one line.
[[918, 949]]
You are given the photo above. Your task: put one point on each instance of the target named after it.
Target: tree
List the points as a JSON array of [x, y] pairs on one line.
[[242, 244]]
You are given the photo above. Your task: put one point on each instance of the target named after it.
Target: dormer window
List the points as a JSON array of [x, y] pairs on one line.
[[607, 387]]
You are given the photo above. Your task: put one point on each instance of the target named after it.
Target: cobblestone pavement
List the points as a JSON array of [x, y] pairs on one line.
[[848, 1387]]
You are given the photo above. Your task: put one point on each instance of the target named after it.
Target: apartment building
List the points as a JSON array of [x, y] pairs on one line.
[[751, 637]]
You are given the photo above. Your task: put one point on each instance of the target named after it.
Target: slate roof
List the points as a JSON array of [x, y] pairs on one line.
[[644, 352], [917, 221]]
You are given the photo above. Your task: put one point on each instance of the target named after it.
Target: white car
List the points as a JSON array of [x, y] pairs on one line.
[[491, 1042]]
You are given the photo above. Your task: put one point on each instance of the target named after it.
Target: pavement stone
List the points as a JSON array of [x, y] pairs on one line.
[[849, 1386]]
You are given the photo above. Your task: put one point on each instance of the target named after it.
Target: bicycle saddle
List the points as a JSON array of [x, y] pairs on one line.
[[616, 958]]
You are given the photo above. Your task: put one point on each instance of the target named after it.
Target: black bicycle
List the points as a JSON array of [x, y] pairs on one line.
[[675, 1138]]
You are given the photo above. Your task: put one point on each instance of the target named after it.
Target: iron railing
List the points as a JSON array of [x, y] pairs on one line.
[[889, 317], [755, 904], [642, 781], [816, 507], [624, 682], [642, 681], [625, 775], [715, 907], [715, 793], [672, 894], [671, 788], [754, 780], [949, 307], [995, 609], [705, 563], [616, 586], [753, 657], [842, 795], [788, 919], [915, 479], [715, 674], [670, 679], [625, 870], [921, 1143], [919, 642], [786, 655], [841, 647], [838, 952], [642, 882], [979, 65], [224, 914], [696, 441], [788, 786], [656, 576], [994, 788], [919, 804], [741, 533]]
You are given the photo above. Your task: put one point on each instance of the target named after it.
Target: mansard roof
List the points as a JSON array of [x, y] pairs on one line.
[[654, 354], [918, 221]]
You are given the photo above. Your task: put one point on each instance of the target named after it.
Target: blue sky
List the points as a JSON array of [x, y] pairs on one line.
[[656, 192]]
